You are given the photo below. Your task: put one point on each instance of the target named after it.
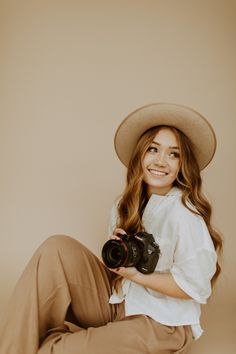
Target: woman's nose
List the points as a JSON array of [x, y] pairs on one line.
[[161, 159]]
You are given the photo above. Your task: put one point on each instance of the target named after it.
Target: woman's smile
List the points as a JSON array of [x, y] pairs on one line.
[[157, 173]]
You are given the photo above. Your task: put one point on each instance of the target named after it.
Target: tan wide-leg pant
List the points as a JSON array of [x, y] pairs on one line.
[[64, 282]]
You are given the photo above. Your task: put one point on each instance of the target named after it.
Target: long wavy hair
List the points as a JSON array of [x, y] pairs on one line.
[[135, 196]]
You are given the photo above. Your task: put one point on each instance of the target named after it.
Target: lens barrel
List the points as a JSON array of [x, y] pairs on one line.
[[121, 253]]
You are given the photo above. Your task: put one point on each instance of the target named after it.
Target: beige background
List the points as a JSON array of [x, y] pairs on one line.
[[69, 71]]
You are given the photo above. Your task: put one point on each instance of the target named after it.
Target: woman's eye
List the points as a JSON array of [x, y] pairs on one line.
[[175, 155], [152, 149]]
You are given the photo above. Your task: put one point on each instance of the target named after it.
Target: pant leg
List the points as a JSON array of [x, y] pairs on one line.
[[134, 335], [56, 279]]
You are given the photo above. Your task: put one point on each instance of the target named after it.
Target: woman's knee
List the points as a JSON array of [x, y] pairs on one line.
[[60, 241], [67, 247]]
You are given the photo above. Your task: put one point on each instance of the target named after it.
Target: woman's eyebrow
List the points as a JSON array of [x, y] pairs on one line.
[[170, 147]]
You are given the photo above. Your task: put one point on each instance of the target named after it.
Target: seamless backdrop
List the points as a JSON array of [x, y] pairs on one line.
[[70, 70]]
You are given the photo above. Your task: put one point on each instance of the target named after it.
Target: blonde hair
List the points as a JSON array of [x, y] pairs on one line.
[[135, 197]]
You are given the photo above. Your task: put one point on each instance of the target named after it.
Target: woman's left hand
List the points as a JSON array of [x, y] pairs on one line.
[[126, 272]]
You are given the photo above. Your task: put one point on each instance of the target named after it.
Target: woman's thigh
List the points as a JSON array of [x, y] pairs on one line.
[[70, 265]]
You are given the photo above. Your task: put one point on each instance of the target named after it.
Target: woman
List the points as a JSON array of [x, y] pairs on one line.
[[164, 147]]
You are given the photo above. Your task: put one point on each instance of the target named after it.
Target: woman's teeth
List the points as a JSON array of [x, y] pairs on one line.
[[157, 173]]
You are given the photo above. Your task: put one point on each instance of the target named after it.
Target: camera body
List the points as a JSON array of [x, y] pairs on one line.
[[137, 250]]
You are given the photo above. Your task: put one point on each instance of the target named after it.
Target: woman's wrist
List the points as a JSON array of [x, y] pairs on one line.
[[139, 278]]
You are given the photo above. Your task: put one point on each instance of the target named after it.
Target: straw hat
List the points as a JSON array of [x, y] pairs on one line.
[[188, 121]]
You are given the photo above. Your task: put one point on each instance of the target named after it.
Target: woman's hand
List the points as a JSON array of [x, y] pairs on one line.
[[126, 272], [115, 234]]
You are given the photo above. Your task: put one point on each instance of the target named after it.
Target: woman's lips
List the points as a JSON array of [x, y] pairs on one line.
[[157, 172]]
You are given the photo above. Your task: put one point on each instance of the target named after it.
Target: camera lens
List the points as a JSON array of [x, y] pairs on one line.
[[114, 253], [121, 253]]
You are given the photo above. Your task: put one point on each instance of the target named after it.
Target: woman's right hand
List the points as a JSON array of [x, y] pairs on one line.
[[116, 232]]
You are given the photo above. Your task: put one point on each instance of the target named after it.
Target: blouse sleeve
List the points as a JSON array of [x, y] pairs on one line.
[[194, 258]]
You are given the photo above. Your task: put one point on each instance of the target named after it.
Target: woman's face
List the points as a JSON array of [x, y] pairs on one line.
[[161, 162]]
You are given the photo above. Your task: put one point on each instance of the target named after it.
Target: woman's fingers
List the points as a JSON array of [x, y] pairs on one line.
[[116, 234], [114, 237], [119, 231]]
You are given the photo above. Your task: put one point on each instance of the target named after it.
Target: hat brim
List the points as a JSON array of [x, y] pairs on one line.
[[187, 120]]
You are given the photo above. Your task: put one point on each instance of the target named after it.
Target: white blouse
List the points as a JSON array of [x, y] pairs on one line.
[[187, 252]]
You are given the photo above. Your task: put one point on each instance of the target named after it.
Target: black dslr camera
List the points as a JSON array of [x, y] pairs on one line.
[[138, 250]]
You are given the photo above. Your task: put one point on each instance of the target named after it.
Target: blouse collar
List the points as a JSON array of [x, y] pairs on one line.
[[173, 191], [154, 203]]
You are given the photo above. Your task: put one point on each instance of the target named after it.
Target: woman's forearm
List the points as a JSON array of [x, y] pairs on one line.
[[162, 282]]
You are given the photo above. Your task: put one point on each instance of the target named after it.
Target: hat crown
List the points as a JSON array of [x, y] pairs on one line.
[[190, 122]]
